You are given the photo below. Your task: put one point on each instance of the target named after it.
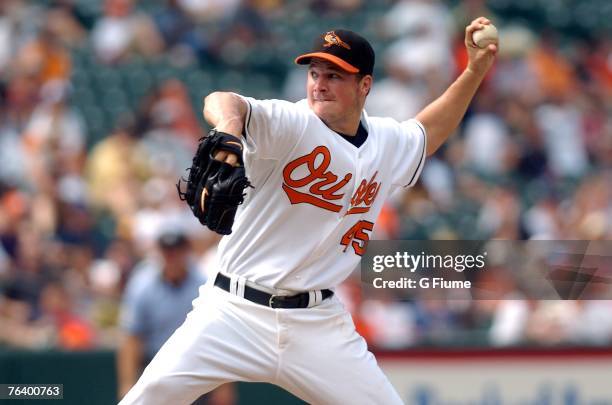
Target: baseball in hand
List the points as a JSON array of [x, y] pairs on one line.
[[488, 35]]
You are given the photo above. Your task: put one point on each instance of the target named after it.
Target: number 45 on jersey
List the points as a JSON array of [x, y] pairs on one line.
[[357, 236]]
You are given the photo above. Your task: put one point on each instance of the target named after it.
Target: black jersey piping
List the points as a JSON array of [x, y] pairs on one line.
[[422, 156]]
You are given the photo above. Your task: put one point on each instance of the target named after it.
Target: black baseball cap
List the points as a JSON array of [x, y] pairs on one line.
[[347, 49]]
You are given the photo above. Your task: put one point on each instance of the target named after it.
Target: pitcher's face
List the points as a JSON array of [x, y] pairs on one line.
[[333, 94]]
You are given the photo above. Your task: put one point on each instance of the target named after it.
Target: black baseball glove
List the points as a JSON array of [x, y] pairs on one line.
[[215, 189]]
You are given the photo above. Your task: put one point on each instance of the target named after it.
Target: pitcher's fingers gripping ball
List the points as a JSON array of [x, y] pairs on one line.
[[214, 189], [482, 44], [480, 34]]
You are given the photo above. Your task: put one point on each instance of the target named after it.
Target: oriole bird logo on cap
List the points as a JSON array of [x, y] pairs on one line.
[[332, 39]]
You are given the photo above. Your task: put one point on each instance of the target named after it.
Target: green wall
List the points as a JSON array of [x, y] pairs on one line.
[[89, 378]]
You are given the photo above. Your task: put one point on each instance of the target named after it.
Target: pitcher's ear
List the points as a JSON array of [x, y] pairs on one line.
[[366, 84]]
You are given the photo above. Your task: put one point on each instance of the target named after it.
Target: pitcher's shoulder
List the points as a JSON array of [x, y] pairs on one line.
[[383, 125]]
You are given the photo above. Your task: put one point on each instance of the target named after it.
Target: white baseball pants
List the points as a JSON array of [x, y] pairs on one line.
[[314, 353]]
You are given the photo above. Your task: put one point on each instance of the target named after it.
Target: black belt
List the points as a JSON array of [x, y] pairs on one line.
[[273, 301]]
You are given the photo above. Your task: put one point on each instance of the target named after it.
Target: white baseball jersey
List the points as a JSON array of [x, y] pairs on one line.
[[303, 227], [316, 196]]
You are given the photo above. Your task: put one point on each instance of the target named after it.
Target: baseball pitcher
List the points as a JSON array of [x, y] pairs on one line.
[[296, 189]]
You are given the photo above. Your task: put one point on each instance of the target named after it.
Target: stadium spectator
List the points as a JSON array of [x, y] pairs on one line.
[[122, 30], [156, 301]]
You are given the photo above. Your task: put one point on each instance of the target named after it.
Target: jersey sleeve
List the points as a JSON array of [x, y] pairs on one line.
[[272, 127], [409, 153]]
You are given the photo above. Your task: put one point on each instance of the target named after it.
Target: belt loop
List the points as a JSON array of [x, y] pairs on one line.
[[312, 298], [233, 287], [241, 282]]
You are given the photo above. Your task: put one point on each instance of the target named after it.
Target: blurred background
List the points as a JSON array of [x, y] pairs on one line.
[[100, 113]]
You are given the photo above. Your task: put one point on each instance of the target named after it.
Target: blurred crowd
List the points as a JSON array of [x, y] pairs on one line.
[[78, 213]]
